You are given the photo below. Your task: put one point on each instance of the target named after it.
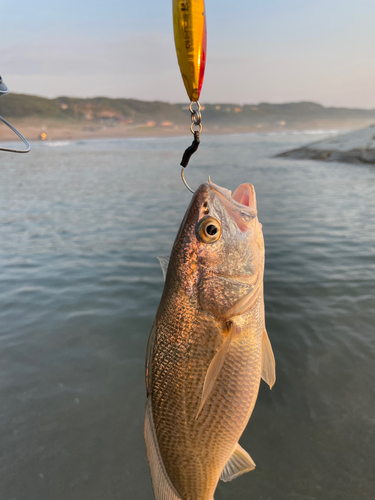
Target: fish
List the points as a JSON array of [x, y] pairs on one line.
[[208, 348]]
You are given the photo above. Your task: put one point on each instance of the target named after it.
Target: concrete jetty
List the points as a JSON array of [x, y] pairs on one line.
[[353, 147]]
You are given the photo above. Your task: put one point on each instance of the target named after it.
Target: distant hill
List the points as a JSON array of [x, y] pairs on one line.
[[118, 117]]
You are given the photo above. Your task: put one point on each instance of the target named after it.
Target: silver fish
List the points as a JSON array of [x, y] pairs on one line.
[[208, 348]]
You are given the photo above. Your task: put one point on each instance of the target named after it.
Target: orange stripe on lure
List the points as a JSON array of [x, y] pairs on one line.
[[190, 35]]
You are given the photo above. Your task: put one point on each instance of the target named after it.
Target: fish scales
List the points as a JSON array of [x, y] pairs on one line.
[[191, 328]]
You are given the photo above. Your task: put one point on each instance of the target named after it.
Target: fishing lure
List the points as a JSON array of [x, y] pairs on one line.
[[190, 34]]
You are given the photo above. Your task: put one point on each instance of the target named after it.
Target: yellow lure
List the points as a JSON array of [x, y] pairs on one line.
[[190, 35]]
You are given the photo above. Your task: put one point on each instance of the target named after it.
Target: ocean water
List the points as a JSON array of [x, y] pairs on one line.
[[81, 225]]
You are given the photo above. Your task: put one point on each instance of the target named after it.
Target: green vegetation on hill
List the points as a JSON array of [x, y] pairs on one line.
[[132, 111], [98, 108]]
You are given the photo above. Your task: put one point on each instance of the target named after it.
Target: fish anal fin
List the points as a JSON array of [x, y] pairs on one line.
[[268, 361], [163, 488], [164, 262], [216, 366], [239, 463]]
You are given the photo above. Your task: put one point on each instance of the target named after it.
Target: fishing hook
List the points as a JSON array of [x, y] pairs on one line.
[[196, 129], [11, 150], [184, 180], [3, 91]]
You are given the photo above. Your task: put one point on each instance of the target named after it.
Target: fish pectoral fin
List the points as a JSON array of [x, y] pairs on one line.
[[268, 361], [214, 369], [248, 301], [163, 488], [164, 262], [239, 463]]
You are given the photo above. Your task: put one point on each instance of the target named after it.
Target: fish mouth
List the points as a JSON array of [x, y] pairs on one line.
[[241, 206], [244, 195]]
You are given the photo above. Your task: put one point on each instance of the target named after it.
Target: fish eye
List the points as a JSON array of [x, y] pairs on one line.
[[209, 230]]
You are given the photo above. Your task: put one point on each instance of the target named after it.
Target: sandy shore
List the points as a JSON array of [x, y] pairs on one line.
[[58, 130]]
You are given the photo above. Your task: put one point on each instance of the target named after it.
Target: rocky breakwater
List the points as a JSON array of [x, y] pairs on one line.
[[352, 147]]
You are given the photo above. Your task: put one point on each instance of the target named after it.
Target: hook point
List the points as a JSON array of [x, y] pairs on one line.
[[184, 180]]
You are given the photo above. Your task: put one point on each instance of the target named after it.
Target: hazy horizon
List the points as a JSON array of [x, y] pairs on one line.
[[221, 103], [276, 52]]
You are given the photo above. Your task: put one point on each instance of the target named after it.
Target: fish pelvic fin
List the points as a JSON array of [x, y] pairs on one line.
[[216, 366], [164, 262], [163, 488], [268, 361], [239, 463]]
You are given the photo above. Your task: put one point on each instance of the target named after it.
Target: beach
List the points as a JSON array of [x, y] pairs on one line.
[[67, 118], [57, 131]]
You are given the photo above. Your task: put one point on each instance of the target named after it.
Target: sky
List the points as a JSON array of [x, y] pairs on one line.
[[258, 51]]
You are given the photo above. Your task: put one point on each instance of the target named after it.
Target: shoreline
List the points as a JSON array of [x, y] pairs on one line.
[[57, 130]]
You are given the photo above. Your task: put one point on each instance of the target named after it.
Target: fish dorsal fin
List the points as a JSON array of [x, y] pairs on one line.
[[163, 488], [239, 463], [215, 367], [268, 361], [164, 261]]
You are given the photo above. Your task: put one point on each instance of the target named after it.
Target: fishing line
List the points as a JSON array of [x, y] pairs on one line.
[[190, 34], [3, 91]]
